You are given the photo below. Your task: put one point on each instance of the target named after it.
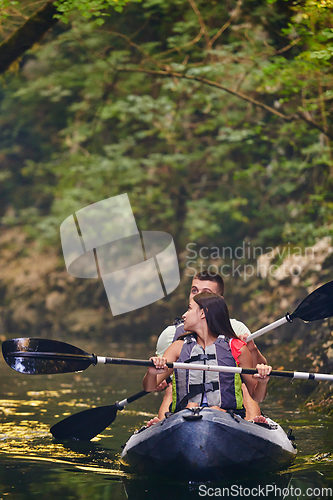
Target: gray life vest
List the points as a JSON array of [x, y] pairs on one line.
[[222, 389]]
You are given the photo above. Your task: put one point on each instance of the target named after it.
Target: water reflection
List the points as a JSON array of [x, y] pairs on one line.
[[33, 465], [268, 486], [28, 480]]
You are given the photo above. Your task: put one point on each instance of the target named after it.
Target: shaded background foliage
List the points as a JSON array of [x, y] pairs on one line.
[[214, 117]]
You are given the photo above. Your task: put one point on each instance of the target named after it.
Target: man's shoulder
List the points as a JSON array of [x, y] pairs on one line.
[[165, 339], [238, 327], [168, 330]]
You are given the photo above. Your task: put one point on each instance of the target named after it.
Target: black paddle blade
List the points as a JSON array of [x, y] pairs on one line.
[[35, 356], [317, 305], [86, 424]]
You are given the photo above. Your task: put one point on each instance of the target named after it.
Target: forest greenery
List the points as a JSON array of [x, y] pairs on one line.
[[215, 118], [86, 8], [125, 107]]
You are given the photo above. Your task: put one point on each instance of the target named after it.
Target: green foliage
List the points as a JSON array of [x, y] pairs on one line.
[[5, 4], [79, 123], [88, 8]]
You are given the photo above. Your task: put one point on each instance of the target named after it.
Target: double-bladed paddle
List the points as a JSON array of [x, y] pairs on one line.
[[42, 356], [88, 423], [317, 305], [35, 356], [38, 356]]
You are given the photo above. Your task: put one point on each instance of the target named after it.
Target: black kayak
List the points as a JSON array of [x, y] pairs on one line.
[[206, 444]]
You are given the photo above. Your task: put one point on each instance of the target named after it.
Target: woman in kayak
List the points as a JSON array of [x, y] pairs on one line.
[[209, 339]]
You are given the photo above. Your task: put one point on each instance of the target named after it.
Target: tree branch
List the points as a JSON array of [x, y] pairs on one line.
[[322, 102], [207, 82], [136, 46], [175, 74], [188, 44], [27, 35], [287, 47], [302, 116], [227, 24], [201, 22], [267, 56]]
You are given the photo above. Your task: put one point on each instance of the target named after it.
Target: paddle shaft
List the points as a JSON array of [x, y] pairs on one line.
[[120, 404], [88, 423], [267, 328], [92, 359], [214, 368], [317, 305], [131, 399]]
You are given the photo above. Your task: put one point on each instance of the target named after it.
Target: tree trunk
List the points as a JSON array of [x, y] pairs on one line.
[[27, 35]]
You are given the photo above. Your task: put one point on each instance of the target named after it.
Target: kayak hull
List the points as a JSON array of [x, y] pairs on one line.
[[207, 445]]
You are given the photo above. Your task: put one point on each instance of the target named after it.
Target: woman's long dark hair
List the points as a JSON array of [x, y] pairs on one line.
[[217, 314]]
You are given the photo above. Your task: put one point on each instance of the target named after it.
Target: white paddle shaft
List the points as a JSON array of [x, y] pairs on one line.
[[236, 369], [215, 368], [266, 329]]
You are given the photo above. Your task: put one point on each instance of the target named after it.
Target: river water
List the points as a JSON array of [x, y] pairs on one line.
[[35, 466]]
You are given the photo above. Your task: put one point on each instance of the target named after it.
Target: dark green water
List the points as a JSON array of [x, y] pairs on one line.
[[33, 465]]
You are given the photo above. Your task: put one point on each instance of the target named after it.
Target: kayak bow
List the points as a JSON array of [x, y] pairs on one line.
[[205, 444]]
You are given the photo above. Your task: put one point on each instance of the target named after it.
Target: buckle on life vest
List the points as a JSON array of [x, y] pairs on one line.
[[195, 414], [211, 386], [200, 357]]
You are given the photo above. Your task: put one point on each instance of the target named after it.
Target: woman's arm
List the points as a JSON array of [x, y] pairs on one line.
[[159, 372], [256, 384]]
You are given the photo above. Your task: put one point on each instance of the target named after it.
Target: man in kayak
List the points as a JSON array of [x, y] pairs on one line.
[[211, 283], [208, 336]]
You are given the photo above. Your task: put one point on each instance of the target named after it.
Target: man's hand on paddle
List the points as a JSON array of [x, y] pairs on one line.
[[250, 345], [162, 386], [257, 357]]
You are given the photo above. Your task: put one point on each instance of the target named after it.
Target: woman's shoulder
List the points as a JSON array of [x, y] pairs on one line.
[[236, 346], [237, 343]]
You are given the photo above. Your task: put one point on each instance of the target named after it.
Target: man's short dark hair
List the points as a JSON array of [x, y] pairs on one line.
[[209, 276]]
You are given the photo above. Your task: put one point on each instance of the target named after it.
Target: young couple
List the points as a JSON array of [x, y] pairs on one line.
[[209, 336]]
